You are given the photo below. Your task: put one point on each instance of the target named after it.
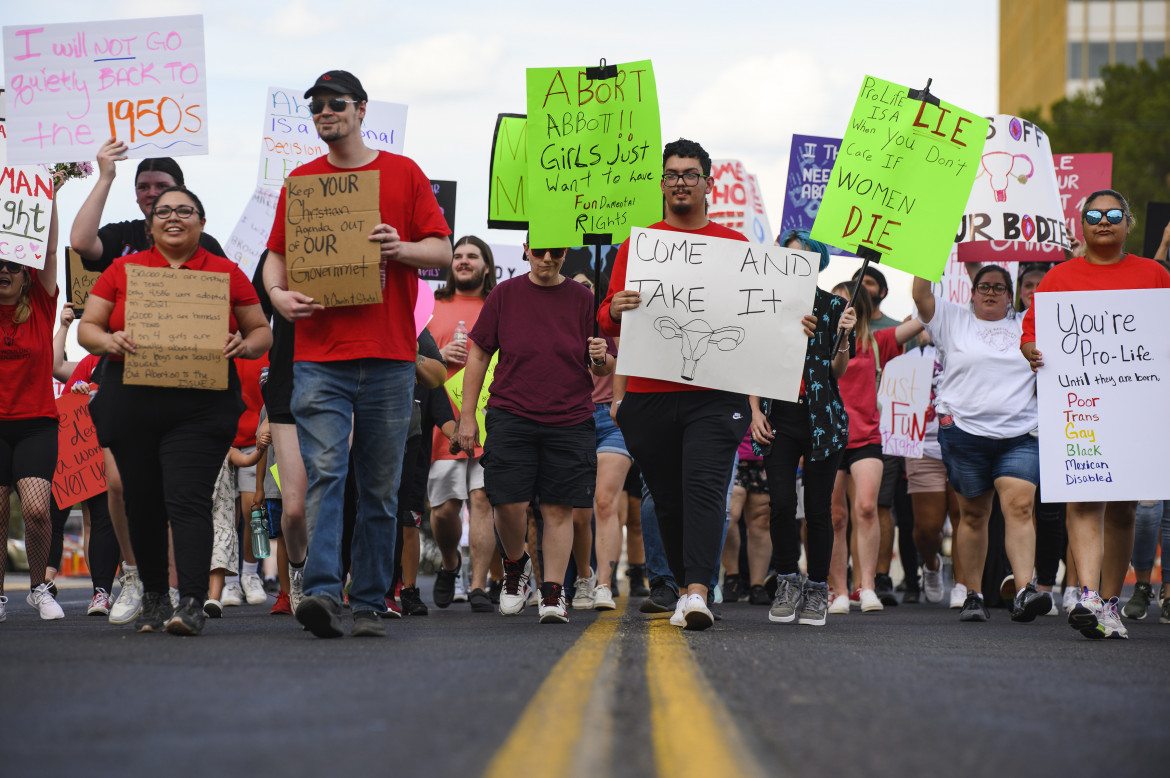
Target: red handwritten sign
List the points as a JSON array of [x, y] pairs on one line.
[[81, 468]]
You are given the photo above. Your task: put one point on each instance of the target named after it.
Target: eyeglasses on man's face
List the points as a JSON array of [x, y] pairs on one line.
[[690, 178]]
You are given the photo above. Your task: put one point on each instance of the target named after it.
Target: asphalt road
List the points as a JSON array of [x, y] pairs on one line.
[[910, 691]]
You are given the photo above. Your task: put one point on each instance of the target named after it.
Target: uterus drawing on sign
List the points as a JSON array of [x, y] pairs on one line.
[[696, 335], [1001, 167]]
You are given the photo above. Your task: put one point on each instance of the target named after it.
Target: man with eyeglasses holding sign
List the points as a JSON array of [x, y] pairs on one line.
[[354, 367], [683, 436]]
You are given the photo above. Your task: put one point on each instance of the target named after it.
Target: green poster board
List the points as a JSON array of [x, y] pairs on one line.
[[454, 387], [901, 179], [594, 154], [508, 174]]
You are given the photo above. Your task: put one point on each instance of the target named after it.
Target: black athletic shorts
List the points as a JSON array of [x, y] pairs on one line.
[[851, 455], [895, 470], [28, 449], [523, 458]]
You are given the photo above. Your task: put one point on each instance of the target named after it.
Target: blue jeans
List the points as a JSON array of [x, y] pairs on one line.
[[1151, 516], [373, 397]]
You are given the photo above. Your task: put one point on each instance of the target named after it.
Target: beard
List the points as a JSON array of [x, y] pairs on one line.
[[681, 208], [472, 283]]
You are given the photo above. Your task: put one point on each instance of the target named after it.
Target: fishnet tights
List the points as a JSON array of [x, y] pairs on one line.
[[35, 494]]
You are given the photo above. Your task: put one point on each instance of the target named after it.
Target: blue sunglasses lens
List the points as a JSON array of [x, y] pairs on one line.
[[1114, 215]]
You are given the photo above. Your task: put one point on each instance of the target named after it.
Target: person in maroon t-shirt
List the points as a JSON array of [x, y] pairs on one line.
[[539, 439]]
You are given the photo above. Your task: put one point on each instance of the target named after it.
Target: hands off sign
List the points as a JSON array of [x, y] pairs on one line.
[[178, 320], [901, 178], [71, 86], [26, 207], [594, 151], [328, 220], [718, 313], [1101, 392]]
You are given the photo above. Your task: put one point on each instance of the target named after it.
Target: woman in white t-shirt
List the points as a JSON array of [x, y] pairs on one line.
[[986, 403]]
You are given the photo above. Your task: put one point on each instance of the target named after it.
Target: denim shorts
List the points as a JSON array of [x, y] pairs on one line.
[[609, 437], [973, 462]]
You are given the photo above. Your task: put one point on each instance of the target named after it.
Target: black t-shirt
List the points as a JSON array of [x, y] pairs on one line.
[[122, 238]]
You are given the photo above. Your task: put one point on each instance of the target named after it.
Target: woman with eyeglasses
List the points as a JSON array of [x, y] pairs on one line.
[[1100, 534], [540, 437], [986, 405], [169, 442]]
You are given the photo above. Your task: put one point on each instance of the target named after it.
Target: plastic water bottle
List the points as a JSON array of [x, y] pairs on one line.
[[460, 334], [260, 546]]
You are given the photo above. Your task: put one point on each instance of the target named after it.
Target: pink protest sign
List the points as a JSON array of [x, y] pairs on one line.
[[424, 306]]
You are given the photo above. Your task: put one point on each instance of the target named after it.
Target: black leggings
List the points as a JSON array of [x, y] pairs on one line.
[[1051, 539], [793, 441], [685, 444], [104, 554]]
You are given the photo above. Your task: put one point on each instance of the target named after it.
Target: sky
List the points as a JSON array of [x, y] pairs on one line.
[[739, 77]]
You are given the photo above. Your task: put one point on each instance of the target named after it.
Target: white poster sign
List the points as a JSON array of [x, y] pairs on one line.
[[71, 86], [250, 237], [736, 202], [290, 137], [955, 284], [903, 397], [1103, 393], [3, 129], [26, 207], [718, 313], [1015, 196]]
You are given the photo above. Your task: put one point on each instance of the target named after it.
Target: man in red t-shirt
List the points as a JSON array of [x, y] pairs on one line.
[[353, 371], [455, 478]]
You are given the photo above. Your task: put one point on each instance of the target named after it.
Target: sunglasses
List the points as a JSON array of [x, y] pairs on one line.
[[182, 211], [336, 104], [554, 253], [1114, 215], [12, 267]]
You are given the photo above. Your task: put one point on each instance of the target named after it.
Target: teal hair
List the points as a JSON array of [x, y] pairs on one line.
[[808, 244]]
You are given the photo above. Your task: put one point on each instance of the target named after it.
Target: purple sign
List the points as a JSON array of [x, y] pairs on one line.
[[809, 165]]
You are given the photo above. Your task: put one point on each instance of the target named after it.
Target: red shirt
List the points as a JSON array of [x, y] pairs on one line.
[[26, 358], [111, 285], [859, 388], [1078, 275], [617, 282], [83, 371], [407, 203], [249, 372]]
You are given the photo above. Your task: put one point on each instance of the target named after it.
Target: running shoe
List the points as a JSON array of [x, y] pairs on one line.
[[870, 602], [213, 608], [662, 599], [296, 585], [934, 582], [282, 606], [253, 588], [679, 617], [696, 615], [552, 604], [100, 604], [42, 599], [366, 624], [232, 595], [1139, 604], [1072, 595], [174, 595], [884, 589], [321, 615], [789, 599], [1163, 619], [1030, 603], [1110, 622], [3, 610], [758, 595], [583, 592], [412, 604], [393, 611], [156, 610], [840, 605], [187, 619], [603, 599], [129, 601], [444, 589], [518, 585], [816, 604], [636, 577], [481, 601], [958, 595], [974, 609], [1085, 617]]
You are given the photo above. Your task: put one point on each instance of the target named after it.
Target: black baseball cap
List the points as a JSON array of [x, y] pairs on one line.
[[339, 81]]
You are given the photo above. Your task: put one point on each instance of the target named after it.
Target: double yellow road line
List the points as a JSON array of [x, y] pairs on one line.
[[566, 730]]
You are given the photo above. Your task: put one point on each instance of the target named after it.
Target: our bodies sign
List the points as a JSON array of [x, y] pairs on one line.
[[328, 219], [719, 313], [290, 137], [81, 468], [508, 174], [903, 397], [736, 201], [901, 179], [71, 86], [593, 154], [1101, 391], [26, 204]]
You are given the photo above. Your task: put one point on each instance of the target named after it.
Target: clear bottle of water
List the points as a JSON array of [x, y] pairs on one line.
[[259, 525]]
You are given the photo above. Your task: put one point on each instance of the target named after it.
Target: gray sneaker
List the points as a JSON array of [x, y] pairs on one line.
[[788, 599], [816, 604]]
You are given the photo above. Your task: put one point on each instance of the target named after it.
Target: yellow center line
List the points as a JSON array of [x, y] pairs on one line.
[[545, 740], [693, 733]]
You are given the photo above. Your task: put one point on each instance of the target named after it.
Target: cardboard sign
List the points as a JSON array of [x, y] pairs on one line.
[[328, 220], [810, 165], [71, 86], [78, 280], [26, 208], [454, 387], [1101, 391], [902, 178], [736, 201], [81, 467], [711, 307], [250, 236], [178, 320], [903, 398], [508, 173], [594, 154], [290, 137]]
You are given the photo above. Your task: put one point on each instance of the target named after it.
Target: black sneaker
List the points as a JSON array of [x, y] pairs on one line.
[[662, 599], [911, 597], [480, 601], [156, 609], [412, 604], [974, 609], [757, 596], [321, 616], [188, 618], [366, 624], [636, 578], [884, 589], [444, 591], [733, 588], [1030, 603], [494, 589]]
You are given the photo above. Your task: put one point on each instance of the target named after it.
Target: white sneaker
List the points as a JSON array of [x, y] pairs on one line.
[[934, 582], [679, 617], [253, 589], [3, 611], [129, 602], [958, 595], [1055, 609], [583, 592], [603, 599], [1071, 598], [296, 581], [518, 587], [232, 595], [1110, 621], [554, 612], [42, 599], [174, 597], [870, 602], [460, 590], [840, 605], [696, 615]]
